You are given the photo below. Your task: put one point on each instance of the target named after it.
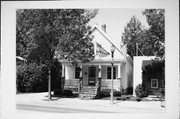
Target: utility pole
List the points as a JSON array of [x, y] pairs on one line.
[[136, 49]]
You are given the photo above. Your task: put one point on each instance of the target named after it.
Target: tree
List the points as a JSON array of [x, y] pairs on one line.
[[156, 21], [42, 34], [150, 40], [131, 35]]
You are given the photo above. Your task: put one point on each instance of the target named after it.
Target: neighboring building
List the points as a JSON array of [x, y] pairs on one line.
[[152, 81], [97, 73]]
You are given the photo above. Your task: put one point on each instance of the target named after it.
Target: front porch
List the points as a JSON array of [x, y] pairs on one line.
[[92, 77]]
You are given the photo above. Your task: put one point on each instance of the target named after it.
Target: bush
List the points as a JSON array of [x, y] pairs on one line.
[[31, 78], [57, 92], [140, 92], [67, 93], [103, 94], [130, 90], [117, 93]]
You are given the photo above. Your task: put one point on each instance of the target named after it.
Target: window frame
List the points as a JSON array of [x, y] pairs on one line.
[[109, 72], [77, 71], [157, 84]]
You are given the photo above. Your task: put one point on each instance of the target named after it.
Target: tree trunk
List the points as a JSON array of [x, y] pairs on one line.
[[49, 84]]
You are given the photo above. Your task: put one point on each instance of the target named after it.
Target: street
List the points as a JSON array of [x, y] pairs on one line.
[[38, 102]]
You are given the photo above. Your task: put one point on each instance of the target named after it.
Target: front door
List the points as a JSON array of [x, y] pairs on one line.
[[92, 76]]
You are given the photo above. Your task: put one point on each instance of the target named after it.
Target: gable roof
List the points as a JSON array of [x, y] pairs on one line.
[[108, 38]]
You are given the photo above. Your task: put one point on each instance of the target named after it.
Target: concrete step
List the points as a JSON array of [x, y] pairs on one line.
[[88, 89], [86, 96]]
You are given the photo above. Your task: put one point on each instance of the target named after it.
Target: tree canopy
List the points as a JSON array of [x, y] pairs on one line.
[[156, 21], [151, 41], [131, 34], [42, 34]]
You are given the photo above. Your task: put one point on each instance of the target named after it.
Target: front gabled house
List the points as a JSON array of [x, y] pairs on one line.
[[96, 75]]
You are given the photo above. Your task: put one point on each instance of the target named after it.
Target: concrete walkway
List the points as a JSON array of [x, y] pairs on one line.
[[40, 102]]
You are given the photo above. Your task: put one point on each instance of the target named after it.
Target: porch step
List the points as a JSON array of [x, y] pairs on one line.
[[88, 90], [87, 96]]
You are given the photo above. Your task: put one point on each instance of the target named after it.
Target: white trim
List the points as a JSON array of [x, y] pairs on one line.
[[154, 87]]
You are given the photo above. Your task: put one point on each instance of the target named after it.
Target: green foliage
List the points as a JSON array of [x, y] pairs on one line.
[[140, 93], [130, 90], [151, 41], [57, 92], [117, 93], [131, 35], [56, 75], [43, 33], [156, 69], [31, 78], [156, 21], [34, 78], [67, 93]]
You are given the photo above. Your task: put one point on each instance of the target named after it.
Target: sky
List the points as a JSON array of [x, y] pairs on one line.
[[116, 19]]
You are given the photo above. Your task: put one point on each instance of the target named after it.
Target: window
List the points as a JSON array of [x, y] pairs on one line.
[[77, 72], [109, 72], [154, 83], [163, 83]]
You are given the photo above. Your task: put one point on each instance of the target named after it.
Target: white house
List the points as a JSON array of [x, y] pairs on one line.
[[97, 73]]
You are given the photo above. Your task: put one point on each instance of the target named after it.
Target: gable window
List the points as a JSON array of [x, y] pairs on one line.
[[109, 72], [77, 72], [154, 83]]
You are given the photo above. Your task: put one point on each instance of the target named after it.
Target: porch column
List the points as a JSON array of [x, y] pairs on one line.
[[119, 71], [99, 72], [98, 83], [63, 71], [63, 77], [80, 74], [80, 79]]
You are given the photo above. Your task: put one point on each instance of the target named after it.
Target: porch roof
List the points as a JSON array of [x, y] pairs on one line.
[[97, 62]]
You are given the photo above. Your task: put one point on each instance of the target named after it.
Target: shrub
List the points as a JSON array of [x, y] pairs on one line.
[[67, 93], [103, 94], [31, 78], [140, 92], [117, 93], [57, 92], [130, 90]]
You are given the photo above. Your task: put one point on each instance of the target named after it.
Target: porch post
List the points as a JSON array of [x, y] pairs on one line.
[[80, 74], [99, 73], [119, 71], [63, 77], [98, 83], [119, 75], [80, 79]]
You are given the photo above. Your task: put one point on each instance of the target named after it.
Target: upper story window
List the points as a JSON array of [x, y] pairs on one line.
[[109, 72]]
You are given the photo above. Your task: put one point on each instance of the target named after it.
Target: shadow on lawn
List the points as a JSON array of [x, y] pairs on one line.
[[57, 97]]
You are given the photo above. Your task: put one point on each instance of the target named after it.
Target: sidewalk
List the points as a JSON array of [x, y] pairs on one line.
[[41, 100]]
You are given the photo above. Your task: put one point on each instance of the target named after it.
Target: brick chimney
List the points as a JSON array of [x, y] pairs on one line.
[[104, 27]]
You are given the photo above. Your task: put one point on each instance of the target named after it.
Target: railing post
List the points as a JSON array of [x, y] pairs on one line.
[[80, 85], [98, 86]]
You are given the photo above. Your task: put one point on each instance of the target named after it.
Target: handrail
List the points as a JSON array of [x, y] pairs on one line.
[[79, 85]]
